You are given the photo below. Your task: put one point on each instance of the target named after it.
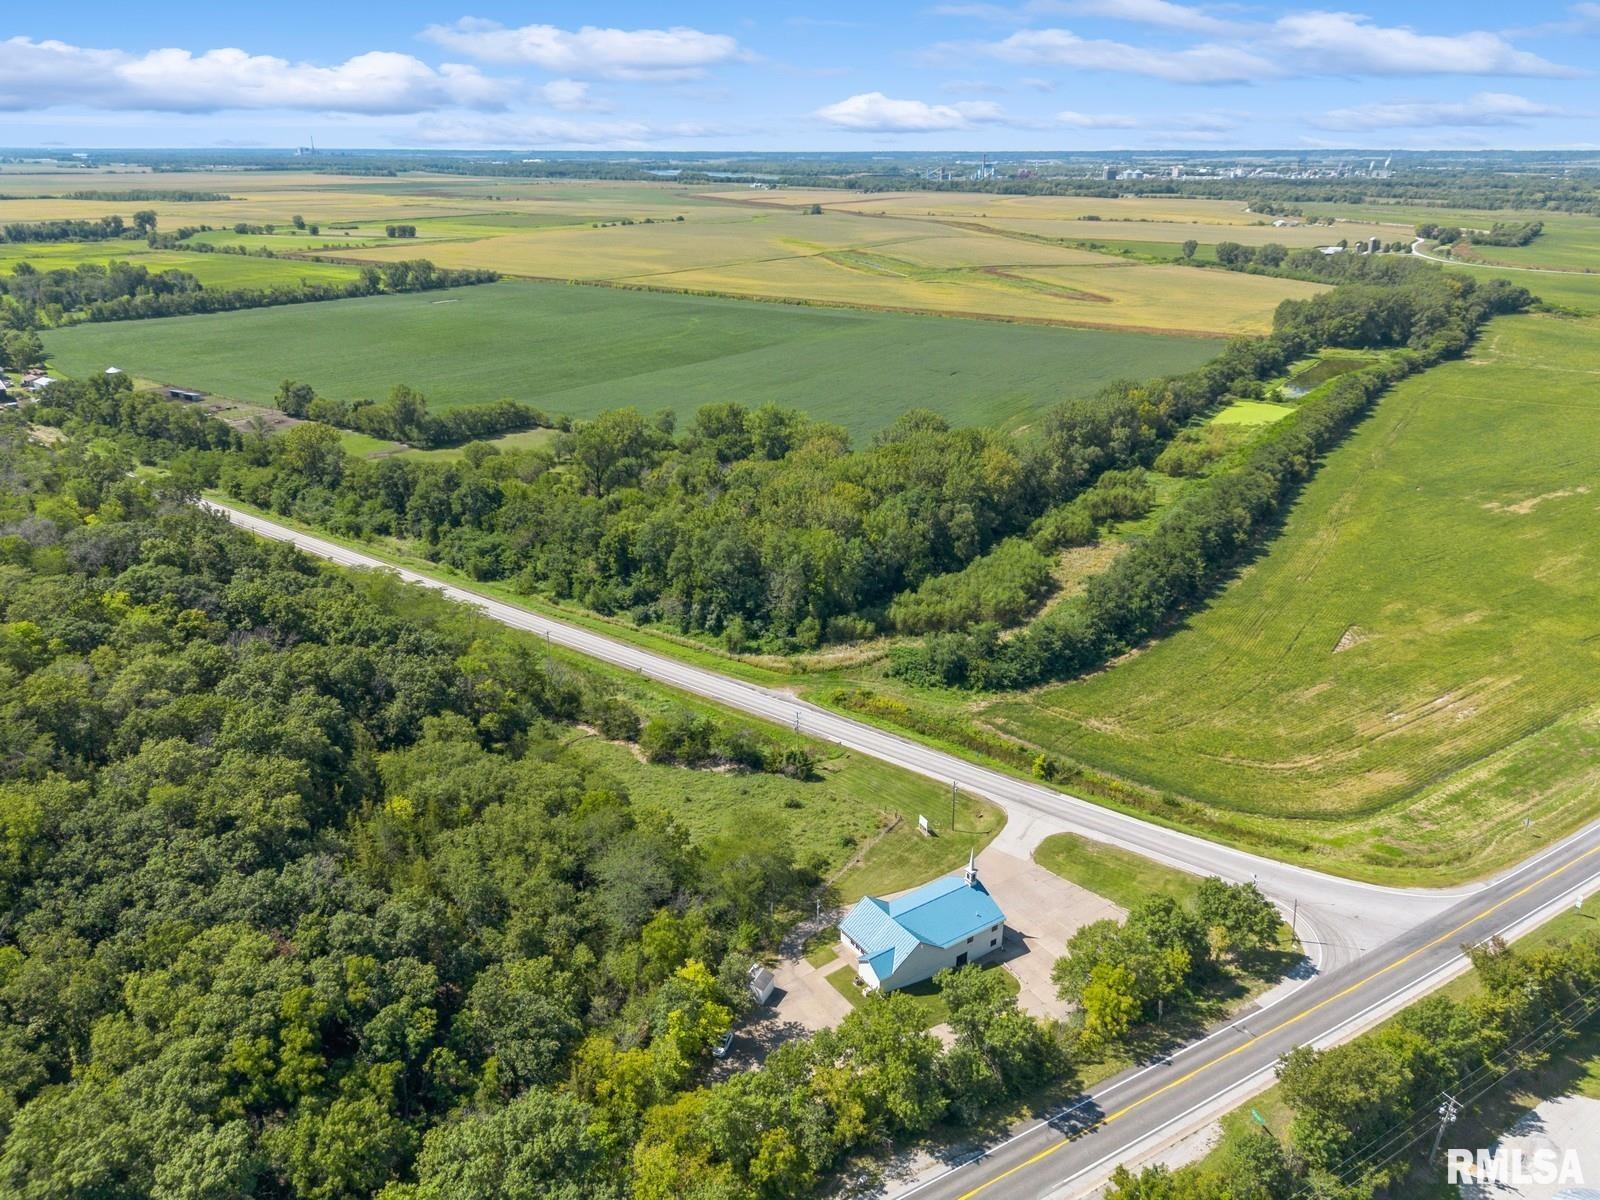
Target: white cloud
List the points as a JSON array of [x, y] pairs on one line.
[[1161, 13], [1300, 44], [570, 95], [1206, 63], [1082, 120], [1340, 43], [1483, 109], [51, 73], [873, 112], [645, 54]]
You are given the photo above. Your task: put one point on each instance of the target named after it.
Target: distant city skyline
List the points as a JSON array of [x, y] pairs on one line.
[[705, 76]]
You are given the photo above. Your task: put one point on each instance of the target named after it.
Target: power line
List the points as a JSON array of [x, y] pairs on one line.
[[1469, 1087]]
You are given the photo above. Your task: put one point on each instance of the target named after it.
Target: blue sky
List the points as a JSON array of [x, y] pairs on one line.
[[695, 74]]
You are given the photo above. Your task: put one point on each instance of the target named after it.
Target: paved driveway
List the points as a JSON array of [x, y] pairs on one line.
[[1042, 912]]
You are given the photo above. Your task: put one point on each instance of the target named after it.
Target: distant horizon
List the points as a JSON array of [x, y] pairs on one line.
[[1213, 152]]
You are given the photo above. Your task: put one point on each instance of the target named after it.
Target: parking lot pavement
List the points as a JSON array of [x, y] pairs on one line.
[[1042, 912]]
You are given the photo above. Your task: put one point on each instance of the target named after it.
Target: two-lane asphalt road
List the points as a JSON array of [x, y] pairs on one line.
[[1138, 1111], [1375, 947], [1339, 919]]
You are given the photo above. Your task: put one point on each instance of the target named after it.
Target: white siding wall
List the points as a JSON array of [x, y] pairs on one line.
[[927, 961]]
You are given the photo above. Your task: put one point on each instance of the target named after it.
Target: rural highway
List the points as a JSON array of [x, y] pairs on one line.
[[1374, 948], [1147, 1107], [1338, 919]]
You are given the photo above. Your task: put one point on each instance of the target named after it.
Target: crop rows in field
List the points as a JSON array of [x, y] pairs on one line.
[[1409, 669]]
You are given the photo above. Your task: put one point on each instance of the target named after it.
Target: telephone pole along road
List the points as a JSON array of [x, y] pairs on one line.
[[1375, 947]]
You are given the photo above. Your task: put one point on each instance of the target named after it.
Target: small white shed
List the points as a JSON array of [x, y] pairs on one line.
[[761, 982]]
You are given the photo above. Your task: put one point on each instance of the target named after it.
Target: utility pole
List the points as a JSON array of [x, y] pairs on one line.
[[1448, 1112], [952, 806]]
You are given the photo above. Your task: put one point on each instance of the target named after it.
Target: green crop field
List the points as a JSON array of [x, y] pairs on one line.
[[1571, 244], [1409, 671], [581, 350], [212, 270]]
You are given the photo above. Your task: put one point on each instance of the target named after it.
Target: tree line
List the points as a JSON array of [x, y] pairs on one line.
[[65, 229], [1432, 315], [32, 299], [144, 195], [122, 291], [413, 275], [404, 417]]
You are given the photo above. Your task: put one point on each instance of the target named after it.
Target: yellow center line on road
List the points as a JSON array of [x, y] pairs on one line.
[[1298, 1017]]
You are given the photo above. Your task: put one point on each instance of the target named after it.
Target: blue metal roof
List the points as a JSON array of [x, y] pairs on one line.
[[870, 926], [942, 913], [947, 910]]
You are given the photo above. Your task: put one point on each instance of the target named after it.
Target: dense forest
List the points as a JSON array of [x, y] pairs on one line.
[[292, 869], [303, 898], [770, 531]]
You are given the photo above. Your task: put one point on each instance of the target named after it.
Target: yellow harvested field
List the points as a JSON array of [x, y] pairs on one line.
[[1175, 232], [1121, 219], [879, 262], [967, 254]]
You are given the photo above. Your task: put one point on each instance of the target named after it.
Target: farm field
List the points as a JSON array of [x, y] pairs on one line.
[[213, 270], [1564, 245], [1407, 673], [1143, 219], [941, 253], [848, 260], [1575, 290], [543, 343]]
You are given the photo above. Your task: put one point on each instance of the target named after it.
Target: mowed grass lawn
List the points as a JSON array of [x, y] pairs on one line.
[[1411, 669], [582, 350]]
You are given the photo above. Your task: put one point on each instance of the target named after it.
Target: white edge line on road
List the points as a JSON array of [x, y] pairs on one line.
[[1402, 995]]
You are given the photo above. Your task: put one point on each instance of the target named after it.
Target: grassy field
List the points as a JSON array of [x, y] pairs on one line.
[[212, 270], [858, 817], [582, 350], [1408, 673], [1571, 244], [1122, 877], [1251, 412]]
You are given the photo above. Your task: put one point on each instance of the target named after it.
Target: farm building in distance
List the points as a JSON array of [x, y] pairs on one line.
[[947, 923]]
